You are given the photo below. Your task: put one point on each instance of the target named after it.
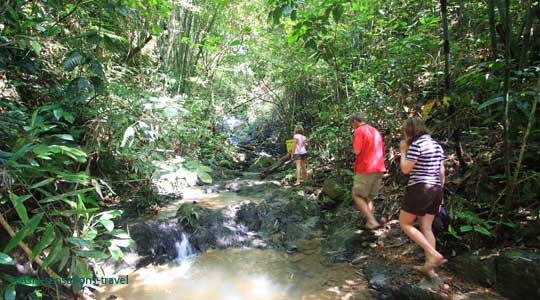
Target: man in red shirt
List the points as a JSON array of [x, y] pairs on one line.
[[369, 167]]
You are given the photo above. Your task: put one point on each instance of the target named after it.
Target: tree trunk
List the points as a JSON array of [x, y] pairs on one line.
[[456, 135], [492, 30], [529, 19], [506, 101]]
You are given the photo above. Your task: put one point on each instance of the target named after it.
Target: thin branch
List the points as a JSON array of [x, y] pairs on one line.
[[25, 247]]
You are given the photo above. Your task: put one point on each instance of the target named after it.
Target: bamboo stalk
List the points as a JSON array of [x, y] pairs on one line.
[[527, 132], [25, 248]]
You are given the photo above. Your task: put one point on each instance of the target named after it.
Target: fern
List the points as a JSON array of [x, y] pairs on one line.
[[96, 68], [99, 85], [73, 60]]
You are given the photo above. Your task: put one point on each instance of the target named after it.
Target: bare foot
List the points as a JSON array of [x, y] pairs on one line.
[[426, 270], [373, 225], [436, 262]]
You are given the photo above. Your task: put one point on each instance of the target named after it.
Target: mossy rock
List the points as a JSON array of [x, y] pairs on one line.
[[333, 189], [226, 164]]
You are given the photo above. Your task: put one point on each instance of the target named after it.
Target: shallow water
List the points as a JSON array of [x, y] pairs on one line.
[[239, 274], [213, 200], [244, 274]]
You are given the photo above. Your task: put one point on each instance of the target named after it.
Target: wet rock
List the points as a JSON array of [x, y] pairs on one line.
[[416, 292], [518, 274], [156, 240], [359, 260], [379, 276], [248, 215], [514, 273], [386, 283], [476, 268], [233, 187], [479, 296]]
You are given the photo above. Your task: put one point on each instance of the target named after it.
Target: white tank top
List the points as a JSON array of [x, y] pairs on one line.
[[300, 144]]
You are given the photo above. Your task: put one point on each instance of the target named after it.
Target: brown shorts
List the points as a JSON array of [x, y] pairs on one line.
[[367, 185], [422, 198], [300, 156]]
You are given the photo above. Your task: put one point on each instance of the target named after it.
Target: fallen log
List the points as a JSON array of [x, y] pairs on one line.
[[284, 159]]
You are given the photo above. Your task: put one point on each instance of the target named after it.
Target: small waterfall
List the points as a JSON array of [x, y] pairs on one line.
[[183, 248]]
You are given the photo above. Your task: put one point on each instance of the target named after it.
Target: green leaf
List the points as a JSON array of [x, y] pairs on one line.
[[116, 252], [465, 228], [482, 230], [36, 46], [53, 254], [509, 224], [235, 43], [41, 183], [71, 212], [80, 242], [293, 37], [13, 13], [65, 195], [108, 224], [120, 233], [58, 113], [90, 254], [64, 254], [10, 293], [66, 137], [156, 30], [17, 202], [21, 152], [490, 102], [122, 242], [337, 12], [6, 259], [68, 117], [205, 177], [28, 229], [205, 169], [73, 60], [43, 242], [111, 214]]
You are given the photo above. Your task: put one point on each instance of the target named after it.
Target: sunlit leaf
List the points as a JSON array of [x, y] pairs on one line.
[[6, 259]]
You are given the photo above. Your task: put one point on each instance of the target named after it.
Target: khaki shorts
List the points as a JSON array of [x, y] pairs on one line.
[[367, 185]]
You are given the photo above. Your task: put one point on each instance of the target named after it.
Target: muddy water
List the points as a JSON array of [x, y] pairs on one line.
[[240, 274], [244, 274]]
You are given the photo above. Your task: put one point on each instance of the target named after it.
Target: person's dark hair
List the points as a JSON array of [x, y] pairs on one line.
[[414, 128], [356, 117], [299, 130]]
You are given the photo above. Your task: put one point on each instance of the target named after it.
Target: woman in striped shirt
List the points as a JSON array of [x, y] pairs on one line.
[[422, 158]]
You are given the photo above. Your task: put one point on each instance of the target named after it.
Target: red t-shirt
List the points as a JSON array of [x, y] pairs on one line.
[[369, 142]]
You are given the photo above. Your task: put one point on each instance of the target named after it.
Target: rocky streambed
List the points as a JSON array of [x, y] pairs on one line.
[[247, 228]]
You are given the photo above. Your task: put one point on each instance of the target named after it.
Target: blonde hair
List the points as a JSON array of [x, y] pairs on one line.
[[299, 130], [413, 128]]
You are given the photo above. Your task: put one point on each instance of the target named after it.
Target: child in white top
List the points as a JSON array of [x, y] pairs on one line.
[[299, 154]]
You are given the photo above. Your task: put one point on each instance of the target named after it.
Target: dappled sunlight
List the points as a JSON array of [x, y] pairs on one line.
[[243, 274]]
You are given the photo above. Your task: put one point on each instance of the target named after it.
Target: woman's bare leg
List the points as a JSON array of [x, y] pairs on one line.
[[426, 223], [426, 227], [433, 257]]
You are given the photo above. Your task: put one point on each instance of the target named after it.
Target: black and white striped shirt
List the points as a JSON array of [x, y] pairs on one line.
[[427, 154]]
